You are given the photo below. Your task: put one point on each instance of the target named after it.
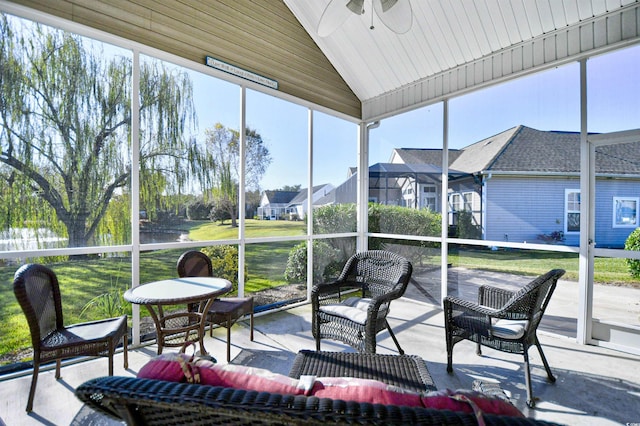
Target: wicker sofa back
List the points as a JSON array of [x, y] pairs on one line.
[[155, 402]]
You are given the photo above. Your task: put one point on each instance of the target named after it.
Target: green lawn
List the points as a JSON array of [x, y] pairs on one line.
[[253, 229], [531, 262]]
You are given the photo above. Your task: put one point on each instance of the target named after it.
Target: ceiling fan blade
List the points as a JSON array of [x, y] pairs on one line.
[[394, 14], [336, 13]]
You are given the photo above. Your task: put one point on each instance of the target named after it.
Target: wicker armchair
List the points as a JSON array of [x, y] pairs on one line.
[[353, 309], [37, 290], [503, 320]]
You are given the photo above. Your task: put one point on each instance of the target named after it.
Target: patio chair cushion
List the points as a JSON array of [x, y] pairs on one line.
[[353, 308], [375, 392], [469, 401], [249, 378], [364, 390], [509, 329], [179, 367]]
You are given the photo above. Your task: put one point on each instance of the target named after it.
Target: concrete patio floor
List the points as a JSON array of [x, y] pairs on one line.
[[595, 386]]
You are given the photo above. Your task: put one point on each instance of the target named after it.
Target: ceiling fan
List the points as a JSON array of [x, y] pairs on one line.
[[394, 14]]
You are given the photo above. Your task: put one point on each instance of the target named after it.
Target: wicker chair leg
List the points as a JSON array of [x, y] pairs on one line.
[[229, 338], [251, 326], [531, 403], [478, 349], [550, 375], [449, 340], [318, 344], [34, 382], [125, 350], [393, 336], [111, 362]]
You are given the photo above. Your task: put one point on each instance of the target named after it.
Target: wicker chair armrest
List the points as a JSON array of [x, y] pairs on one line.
[[326, 288], [493, 297], [474, 316], [452, 303], [378, 301], [467, 315], [337, 288]]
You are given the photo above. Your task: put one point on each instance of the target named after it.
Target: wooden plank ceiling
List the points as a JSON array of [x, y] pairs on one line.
[[454, 45]]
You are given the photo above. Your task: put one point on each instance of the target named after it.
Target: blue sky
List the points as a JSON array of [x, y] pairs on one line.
[[548, 100]]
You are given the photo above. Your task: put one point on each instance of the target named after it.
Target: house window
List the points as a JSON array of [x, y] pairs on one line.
[[429, 197], [625, 212], [456, 202], [468, 201], [572, 210]]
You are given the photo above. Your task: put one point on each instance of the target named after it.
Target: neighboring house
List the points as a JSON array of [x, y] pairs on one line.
[[525, 183], [412, 179], [273, 204], [520, 185], [290, 205], [420, 184]]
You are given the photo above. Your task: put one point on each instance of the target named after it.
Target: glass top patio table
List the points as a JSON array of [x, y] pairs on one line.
[[197, 291]]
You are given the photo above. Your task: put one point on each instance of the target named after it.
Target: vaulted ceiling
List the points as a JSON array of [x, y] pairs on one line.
[[457, 45]]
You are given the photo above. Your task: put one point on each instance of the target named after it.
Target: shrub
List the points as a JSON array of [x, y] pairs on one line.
[[382, 219], [403, 221], [224, 260], [327, 263], [466, 226], [337, 218], [633, 243]]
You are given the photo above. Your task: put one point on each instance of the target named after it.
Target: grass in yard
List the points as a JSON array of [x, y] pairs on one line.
[[530, 262], [253, 229], [266, 264]]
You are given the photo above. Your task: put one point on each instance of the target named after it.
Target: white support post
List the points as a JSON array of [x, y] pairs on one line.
[[587, 184], [241, 190], [444, 234], [135, 191], [310, 205], [363, 188]]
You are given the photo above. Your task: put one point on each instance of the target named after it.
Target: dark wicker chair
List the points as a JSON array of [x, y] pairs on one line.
[[224, 311], [353, 309], [503, 320], [194, 264], [37, 290]]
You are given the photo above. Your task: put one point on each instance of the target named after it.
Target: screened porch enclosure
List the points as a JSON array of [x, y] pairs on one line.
[[196, 184]]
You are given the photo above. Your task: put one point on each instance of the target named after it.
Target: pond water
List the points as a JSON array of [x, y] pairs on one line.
[[42, 238], [29, 239]]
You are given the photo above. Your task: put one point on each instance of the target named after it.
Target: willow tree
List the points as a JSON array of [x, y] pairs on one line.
[[223, 144], [65, 130]]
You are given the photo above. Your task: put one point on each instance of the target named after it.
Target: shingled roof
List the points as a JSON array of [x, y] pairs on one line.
[[280, 197], [423, 155], [526, 150]]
